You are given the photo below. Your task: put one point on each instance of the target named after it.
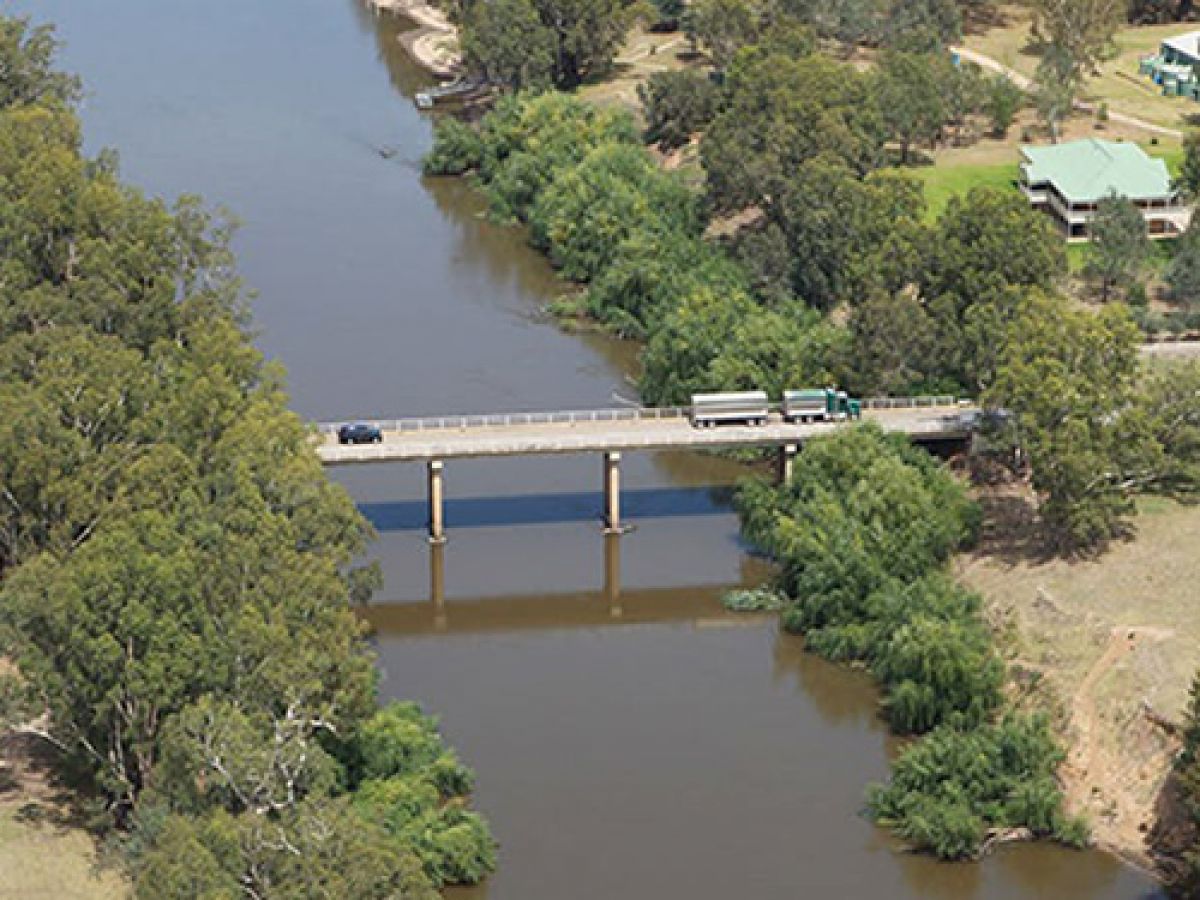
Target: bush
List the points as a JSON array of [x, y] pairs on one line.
[[457, 148], [676, 105], [755, 600], [950, 788]]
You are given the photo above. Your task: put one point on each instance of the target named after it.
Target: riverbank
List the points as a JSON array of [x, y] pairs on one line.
[[1110, 646], [434, 44]]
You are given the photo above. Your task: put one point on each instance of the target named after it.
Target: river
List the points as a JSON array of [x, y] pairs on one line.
[[630, 738]]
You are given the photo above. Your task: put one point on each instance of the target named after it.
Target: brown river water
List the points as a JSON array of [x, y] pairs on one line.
[[631, 739]]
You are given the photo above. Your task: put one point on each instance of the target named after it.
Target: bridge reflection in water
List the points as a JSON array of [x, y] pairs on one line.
[[699, 606]]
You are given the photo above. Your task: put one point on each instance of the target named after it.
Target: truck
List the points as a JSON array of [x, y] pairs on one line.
[[819, 405], [741, 407]]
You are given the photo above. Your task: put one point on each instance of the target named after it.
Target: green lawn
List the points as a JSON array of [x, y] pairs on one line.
[[946, 181]]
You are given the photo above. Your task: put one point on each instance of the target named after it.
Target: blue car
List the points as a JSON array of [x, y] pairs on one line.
[[359, 433]]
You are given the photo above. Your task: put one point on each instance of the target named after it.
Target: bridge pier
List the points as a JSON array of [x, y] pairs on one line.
[[784, 462], [437, 503], [612, 492]]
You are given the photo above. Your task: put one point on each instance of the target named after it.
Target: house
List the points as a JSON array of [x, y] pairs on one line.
[[1181, 50], [1067, 181], [1174, 66]]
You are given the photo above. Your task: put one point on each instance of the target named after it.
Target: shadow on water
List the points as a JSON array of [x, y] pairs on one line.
[[551, 508]]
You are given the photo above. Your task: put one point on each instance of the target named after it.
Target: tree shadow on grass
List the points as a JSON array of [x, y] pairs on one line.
[[31, 772], [1011, 531], [1172, 835]]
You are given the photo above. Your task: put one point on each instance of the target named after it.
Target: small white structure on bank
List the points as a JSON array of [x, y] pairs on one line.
[[1067, 181]]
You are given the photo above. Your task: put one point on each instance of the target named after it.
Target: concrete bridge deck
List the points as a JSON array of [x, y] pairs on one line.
[[458, 437]]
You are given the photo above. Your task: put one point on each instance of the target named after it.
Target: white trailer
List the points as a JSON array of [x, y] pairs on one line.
[[807, 405], [745, 407]]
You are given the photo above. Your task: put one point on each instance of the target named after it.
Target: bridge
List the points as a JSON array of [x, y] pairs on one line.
[[610, 432]]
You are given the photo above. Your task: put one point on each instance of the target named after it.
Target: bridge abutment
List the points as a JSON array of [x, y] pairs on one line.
[[437, 503]]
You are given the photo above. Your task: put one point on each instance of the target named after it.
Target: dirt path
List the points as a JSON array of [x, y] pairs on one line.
[[1023, 82], [1099, 780]]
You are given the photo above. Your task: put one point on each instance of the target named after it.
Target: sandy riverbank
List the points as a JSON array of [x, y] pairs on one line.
[[434, 45], [1110, 644]]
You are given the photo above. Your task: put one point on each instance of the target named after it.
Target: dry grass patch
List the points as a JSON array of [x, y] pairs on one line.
[[644, 53], [1113, 644], [41, 860], [43, 855]]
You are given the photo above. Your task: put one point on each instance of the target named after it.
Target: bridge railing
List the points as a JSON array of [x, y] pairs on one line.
[[500, 420], [909, 402], [573, 417]]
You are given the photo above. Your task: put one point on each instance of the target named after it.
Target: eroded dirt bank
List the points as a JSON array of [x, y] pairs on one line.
[[1111, 646]]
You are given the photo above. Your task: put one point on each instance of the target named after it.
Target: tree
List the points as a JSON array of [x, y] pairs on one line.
[[779, 113], [894, 342], [965, 90], [1056, 83], [1118, 246], [524, 41], [614, 193], [1189, 172], [911, 99], [922, 26], [1004, 100], [1171, 400], [722, 27], [1068, 375], [1183, 272], [1079, 31], [986, 249], [670, 12], [27, 73], [676, 105], [1178, 845], [850, 22], [506, 42], [845, 235]]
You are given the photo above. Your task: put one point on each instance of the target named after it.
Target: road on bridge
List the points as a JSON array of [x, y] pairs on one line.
[[455, 438]]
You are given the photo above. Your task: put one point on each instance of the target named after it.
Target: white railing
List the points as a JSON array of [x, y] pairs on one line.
[[909, 402], [574, 417], [502, 420]]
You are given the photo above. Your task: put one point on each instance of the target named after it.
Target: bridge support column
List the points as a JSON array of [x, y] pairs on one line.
[[784, 462], [437, 520], [612, 493]]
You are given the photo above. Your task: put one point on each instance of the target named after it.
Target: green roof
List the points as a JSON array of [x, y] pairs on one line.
[[1087, 170]]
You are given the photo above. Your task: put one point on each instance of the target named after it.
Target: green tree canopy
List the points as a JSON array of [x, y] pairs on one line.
[[781, 112], [1068, 377], [1118, 246]]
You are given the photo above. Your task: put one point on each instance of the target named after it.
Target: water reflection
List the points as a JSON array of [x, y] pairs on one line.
[[699, 606]]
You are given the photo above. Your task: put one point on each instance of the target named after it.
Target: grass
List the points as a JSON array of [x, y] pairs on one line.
[[943, 181], [44, 861], [644, 53]]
